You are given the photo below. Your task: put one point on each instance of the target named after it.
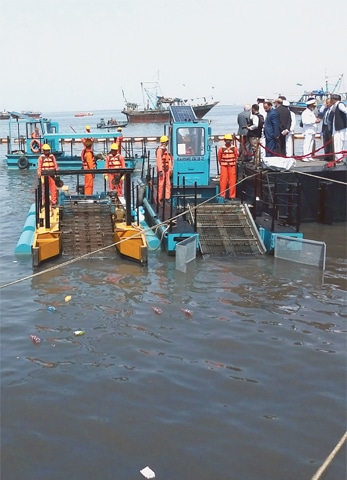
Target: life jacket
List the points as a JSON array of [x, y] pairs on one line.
[[114, 161], [84, 161], [166, 162], [229, 156], [48, 163]]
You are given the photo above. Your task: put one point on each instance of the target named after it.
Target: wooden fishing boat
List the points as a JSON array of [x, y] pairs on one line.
[[320, 95], [156, 109], [31, 114], [4, 115]]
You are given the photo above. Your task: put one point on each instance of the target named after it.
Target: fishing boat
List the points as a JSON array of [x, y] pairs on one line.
[[31, 114], [4, 115], [320, 95], [156, 107], [111, 123], [82, 225], [83, 114], [23, 150]]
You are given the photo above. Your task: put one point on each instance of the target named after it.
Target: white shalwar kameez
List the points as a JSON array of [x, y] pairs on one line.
[[309, 131], [340, 136], [289, 138]]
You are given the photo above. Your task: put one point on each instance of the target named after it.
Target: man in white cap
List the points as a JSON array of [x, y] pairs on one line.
[[309, 128]]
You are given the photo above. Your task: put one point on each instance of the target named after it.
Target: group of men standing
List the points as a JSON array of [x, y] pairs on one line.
[[276, 136], [114, 160], [266, 129]]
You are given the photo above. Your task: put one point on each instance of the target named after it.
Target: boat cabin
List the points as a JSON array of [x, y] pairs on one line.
[[190, 146]]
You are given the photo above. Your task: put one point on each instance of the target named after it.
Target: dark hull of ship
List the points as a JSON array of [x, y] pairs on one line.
[[162, 116]]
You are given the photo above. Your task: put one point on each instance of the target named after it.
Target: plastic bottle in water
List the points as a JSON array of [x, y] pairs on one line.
[[157, 310], [51, 308], [187, 312], [35, 339]]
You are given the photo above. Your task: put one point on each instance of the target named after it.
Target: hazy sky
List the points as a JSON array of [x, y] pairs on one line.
[[78, 54]]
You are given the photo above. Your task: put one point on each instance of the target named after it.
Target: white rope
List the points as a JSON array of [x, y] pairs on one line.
[[330, 458]]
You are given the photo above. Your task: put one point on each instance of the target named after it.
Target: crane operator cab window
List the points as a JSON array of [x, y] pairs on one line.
[[191, 141]]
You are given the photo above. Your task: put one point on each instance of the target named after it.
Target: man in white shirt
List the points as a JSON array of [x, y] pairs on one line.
[[309, 125], [339, 127]]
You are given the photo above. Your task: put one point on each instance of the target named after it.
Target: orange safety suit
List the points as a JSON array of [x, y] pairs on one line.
[[48, 162], [115, 161], [88, 163], [227, 157], [164, 170], [119, 141]]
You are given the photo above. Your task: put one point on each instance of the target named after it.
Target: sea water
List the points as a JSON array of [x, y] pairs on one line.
[[251, 386]]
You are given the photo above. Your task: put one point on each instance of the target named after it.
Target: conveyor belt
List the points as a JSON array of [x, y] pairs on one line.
[[86, 228], [227, 228]]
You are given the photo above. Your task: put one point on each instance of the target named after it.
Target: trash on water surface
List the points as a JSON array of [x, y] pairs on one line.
[[78, 333], [157, 310], [68, 298], [51, 308], [189, 313], [147, 472], [35, 339]]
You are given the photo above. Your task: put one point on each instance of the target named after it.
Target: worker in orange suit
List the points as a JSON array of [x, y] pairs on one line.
[[88, 163], [227, 158], [119, 140], [115, 160], [47, 161], [164, 169]]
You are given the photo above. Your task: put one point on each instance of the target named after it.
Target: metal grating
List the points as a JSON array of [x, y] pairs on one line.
[[182, 113], [227, 229], [87, 228]]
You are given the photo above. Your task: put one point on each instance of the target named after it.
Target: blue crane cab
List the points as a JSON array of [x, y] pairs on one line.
[[190, 147]]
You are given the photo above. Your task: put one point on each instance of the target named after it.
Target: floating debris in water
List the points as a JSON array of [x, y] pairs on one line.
[[78, 333], [51, 308], [68, 298], [147, 472], [35, 339], [157, 310], [187, 312]]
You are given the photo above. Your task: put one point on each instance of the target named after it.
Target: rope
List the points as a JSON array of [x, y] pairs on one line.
[[330, 458], [154, 228]]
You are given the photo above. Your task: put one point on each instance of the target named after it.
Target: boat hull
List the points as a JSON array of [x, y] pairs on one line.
[[162, 116]]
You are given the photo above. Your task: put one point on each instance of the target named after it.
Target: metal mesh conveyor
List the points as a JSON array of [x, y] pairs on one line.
[[86, 228], [227, 229]]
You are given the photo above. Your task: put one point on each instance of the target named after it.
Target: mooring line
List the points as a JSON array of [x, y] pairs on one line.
[[330, 458]]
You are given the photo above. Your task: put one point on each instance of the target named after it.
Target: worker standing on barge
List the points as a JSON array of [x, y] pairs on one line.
[[88, 163], [164, 169], [115, 160], [227, 158], [47, 161]]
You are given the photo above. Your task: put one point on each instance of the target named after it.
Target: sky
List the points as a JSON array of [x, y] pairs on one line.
[[79, 55]]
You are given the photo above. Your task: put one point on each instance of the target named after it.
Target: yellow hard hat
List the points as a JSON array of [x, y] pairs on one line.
[[114, 146], [228, 136], [87, 127], [45, 146], [119, 129], [164, 139]]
